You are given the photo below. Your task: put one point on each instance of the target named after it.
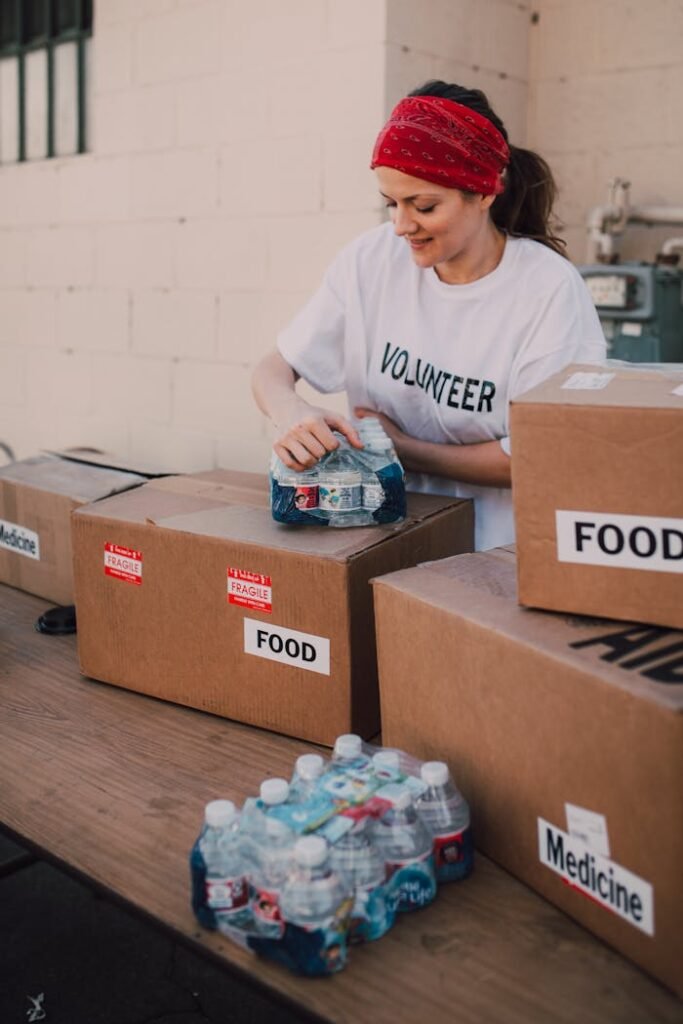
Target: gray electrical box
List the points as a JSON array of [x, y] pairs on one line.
[[640, 306]]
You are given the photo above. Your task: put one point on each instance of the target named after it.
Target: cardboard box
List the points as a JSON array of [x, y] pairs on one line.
[[564, 733], [187, 590], [37, 496], [597, 485]]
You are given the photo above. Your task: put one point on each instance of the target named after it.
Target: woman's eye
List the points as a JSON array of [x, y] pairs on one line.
[[425, 209], [389, 205]]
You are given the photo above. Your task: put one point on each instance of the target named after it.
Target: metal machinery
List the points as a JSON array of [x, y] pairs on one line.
[[640, 304]]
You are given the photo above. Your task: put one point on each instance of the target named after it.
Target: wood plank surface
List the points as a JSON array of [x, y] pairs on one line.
[[114, 784]]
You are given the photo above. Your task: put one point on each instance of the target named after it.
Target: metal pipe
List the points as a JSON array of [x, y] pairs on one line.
[[606, 223], [671, 246], [669, 216]]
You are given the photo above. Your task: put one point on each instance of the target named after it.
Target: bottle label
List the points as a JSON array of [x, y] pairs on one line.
[[412, 882], [306, 497], [453, 854], [340, 497], [226, 893], [373, 495], [372, 913], [321, 949], [304, 815], [265, 906]]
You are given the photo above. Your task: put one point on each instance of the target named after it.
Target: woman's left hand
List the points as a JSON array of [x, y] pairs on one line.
[[483, 463], [391, 429]]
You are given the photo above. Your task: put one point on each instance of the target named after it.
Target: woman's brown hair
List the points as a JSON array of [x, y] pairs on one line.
[[525, 208]]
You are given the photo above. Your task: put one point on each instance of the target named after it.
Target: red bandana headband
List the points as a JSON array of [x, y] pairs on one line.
[[438, 140]]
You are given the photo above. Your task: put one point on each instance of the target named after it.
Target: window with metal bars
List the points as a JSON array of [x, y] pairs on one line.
[[43, 78]]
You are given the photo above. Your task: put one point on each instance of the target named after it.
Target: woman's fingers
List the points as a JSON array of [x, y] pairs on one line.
[[342, 425], [294, 455], [305, 442]]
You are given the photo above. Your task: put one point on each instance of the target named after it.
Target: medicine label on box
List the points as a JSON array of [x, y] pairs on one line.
[[18, 539], [599, 878]]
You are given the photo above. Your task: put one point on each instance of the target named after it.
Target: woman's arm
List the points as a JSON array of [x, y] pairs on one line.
[[484, 463], [303, 431]]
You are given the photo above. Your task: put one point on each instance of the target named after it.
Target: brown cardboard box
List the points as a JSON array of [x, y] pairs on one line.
[[187, 590], [597, 478], [556, 728], [37, 496]]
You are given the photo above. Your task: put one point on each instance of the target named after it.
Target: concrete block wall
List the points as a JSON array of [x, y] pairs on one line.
[[140, 282], [481, 45], [605, 101]]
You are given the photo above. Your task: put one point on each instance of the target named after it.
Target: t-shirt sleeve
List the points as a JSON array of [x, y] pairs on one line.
[[313, 342], [566, 330]]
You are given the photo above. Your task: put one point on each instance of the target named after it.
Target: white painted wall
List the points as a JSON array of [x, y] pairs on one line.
[[141, 282], [606, 100], [481, 44], [229, 161]]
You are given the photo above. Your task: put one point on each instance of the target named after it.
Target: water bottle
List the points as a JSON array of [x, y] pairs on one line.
[[293, 496], [361, 867], [386, 765], [340, 489], [220, 890], [383, 492], [406, 846], [348, 753], [269, 845], [307, 771], [315, 906], [446, 814]]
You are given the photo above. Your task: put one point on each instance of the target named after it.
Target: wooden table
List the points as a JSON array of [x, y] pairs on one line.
[[113, 784]]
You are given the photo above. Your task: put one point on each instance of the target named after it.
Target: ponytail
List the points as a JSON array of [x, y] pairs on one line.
[[525, 208]]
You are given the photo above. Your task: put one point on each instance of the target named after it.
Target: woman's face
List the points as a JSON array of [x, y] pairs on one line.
[[439, 224]]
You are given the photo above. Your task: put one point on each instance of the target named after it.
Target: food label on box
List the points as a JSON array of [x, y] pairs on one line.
[[601, 879], [288, 646], [588, 826], [123, 563], [653, 543], [250, 590], [19, 540], [583, 381]]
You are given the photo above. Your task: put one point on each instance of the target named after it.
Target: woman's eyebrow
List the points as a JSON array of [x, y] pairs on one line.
[[410, 199]]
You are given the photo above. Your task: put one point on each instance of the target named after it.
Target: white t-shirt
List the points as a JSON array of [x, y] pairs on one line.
[[444, 360]]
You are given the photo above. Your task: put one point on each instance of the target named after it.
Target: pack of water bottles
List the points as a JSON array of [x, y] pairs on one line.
[[331, 857], [347, 487]]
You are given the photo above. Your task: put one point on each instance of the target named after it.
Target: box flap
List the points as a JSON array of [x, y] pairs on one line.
[[610, 385], [481, 588], [236, 506], [106, 460], [73, 479]]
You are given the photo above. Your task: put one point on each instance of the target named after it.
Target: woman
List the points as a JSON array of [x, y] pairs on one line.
[[435, 321]]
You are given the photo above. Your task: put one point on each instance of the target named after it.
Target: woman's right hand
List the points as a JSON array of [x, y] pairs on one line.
[[306, 435]]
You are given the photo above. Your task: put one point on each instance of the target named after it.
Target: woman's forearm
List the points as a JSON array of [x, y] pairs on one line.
[[273, 384], [485, 463]]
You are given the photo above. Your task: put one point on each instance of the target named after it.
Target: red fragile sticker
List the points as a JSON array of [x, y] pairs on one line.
[[250, 590], [123, 563]]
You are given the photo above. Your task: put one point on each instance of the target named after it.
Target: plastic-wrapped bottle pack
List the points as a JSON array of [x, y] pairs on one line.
[[347, 487], [330, 858]]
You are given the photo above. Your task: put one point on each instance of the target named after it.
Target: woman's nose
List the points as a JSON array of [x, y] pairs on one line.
[[404, 221]]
